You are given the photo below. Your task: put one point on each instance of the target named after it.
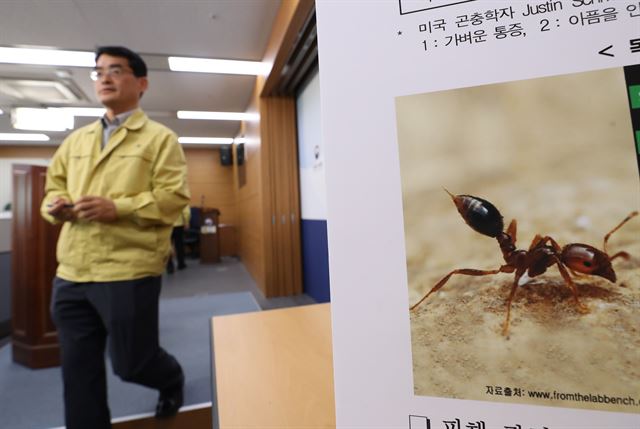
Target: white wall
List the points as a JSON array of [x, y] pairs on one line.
[[311, 153], [5, 234]]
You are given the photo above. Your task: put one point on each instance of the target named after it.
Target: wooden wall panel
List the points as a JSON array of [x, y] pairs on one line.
[[209, 179], [251, 214], [27, 151], [281, 196]]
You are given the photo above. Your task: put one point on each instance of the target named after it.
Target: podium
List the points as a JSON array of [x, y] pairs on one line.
[[34, 338], [209, 236], [209, 246]]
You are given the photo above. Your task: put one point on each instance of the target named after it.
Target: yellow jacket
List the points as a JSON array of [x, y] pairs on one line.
[[184, 218], [143, 170]]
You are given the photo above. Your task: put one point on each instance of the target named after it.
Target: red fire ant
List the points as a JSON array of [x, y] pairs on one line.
[[577, 258]]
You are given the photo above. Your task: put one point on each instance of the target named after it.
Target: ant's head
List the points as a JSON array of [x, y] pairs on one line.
[[479, 214], [588, 260]]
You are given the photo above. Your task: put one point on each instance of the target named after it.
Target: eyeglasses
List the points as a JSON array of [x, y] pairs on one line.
[[112, 72]]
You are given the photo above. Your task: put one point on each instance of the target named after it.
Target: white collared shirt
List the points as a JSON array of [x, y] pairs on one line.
[[108, 127]]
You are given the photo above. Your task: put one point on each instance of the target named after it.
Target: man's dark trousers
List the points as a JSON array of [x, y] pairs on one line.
[[124, 313], [177, 237]]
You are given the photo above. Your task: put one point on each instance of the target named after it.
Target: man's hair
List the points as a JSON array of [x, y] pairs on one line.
[[136, 62]]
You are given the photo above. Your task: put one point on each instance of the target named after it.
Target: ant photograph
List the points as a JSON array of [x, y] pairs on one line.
[[522, 237]]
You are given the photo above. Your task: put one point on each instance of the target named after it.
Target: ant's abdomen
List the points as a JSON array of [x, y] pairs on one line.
[[479, 214]]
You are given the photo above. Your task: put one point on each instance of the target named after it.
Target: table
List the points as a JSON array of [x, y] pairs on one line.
[[273, 369]]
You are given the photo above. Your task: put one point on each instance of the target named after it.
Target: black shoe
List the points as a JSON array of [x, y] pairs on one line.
[[170, 401], [182, 266]]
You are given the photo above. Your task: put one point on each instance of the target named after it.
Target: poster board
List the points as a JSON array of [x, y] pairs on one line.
[[526, 108]]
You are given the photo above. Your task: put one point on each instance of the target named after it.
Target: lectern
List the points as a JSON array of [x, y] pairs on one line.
[[33, 265], [209, 236]]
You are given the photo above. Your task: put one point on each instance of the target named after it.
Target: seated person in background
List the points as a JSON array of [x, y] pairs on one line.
[[177, 239]]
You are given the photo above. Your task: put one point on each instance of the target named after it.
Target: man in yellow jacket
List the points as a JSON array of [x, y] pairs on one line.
[[118, 185]]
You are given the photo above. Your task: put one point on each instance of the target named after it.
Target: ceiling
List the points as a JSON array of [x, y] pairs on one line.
[[226, 29]]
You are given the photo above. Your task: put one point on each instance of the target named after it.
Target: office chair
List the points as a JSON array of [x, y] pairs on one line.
[[192, 234]]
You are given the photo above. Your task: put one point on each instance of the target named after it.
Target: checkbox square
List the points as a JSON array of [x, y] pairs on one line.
[[419, 422]]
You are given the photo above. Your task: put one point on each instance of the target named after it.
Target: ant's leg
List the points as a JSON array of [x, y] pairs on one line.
[[512, 231], [553, 243], [541, 241], [623, 255], [505, 327], [606, 237], [567, 279], [465, 271], [537, 239]]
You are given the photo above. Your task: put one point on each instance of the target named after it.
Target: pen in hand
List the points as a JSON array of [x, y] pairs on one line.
[[62, 210], [66, 206]]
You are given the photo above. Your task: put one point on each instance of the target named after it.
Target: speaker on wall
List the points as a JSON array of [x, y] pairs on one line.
[[226, 157], [240, 153]]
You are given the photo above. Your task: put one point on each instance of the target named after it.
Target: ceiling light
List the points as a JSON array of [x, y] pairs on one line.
[[217, 116], [51, 119], [50, 57], [92, 112], [24, 137], [1, 112], [209, 65], [205, 140]]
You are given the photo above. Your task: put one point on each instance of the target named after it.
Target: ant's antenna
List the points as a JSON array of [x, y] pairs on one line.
[[450, 194]]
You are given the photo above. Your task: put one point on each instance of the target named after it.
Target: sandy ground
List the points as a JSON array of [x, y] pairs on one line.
[[560, 160], [459, 349]]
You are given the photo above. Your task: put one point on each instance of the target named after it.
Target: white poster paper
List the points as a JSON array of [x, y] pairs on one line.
[[443, 121]]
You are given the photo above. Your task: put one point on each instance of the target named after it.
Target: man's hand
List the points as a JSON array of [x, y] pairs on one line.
[[95, 208], [61, 209]]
